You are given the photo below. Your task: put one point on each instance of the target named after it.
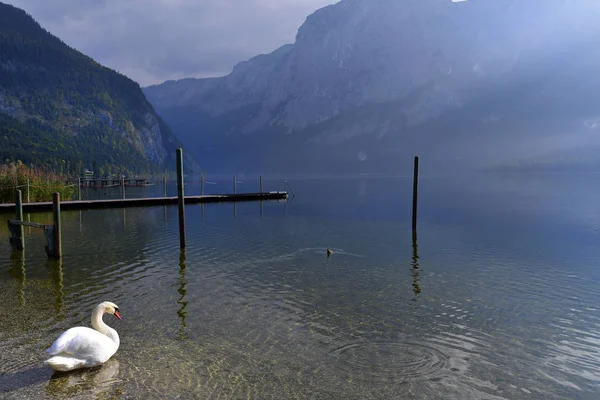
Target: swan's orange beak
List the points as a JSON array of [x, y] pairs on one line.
[[118, 315]]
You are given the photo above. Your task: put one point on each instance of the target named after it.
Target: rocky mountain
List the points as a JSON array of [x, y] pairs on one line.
[[62, 109], [370, 83]]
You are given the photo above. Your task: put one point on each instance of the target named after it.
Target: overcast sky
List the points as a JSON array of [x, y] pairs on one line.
[[155, 40]]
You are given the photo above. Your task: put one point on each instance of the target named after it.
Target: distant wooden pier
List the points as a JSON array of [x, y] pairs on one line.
[[112, 182], [145, 202]]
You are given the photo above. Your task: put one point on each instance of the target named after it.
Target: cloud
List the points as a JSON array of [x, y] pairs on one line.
[[154, 40]]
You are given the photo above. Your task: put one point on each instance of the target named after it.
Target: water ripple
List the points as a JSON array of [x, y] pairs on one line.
[[390, 362]]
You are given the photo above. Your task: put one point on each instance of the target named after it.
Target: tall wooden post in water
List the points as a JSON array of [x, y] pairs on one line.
[[415, 195], [180, 198], [260, 184], [123, 186], [57, 253], [164, 185], [234, 185], [202, 182], [20, 239]]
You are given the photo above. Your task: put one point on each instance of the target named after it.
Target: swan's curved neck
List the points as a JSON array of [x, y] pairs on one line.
[[99, 325]]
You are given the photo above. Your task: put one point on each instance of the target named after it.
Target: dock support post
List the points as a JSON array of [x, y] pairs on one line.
[[79, 188], [27, 190], [123, 187], [260, 183], [202, 183], [17, 239], [415, 194], [164, 186], [57, 240], [180, 198], [234, 185]]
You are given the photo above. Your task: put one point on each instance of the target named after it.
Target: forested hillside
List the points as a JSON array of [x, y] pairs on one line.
[[62, 109]]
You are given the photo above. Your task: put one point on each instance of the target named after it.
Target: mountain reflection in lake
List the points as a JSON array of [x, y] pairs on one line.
[[496, 298]]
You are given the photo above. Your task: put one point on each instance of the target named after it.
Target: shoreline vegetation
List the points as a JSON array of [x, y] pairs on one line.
[[42, 183]]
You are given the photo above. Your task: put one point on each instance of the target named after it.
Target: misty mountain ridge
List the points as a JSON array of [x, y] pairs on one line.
[[370, 83]]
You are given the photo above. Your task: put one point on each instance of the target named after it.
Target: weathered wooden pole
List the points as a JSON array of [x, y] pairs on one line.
[[180, 198], [27, 190], [202, 183], [415, 194], [19, 244], [57, 251], [165, 185], [261, 185], [79, 188], [123, 186], [234, 185]]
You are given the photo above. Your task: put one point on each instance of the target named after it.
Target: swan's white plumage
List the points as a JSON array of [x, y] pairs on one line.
[[83, 343], [81, 347]]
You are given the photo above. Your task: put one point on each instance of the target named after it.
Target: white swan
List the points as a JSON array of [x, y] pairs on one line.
[[82, 347]]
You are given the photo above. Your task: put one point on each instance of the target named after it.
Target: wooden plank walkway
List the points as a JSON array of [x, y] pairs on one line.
[[145, 202]]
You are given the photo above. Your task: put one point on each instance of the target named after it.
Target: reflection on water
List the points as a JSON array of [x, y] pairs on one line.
[[415, 265], [17, 271], [97, 382], [56, 272], [182, 313], [499, 301]]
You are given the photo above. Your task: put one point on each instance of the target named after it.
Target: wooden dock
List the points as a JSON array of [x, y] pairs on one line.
[[145, 202]]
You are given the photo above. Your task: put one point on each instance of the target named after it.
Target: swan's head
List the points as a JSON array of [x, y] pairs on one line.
[[110, 308]]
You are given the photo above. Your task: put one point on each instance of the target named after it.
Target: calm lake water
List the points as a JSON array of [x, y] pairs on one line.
[[498, 298]]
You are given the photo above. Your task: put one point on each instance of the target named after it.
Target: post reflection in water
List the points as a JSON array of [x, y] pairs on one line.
[[165, 214], [182, 313], [415, 266], [234, 209], [56, 272], [202, 205], [17, 271]]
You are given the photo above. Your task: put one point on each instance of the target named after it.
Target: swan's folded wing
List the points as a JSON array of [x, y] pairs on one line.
[[80, 341]]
